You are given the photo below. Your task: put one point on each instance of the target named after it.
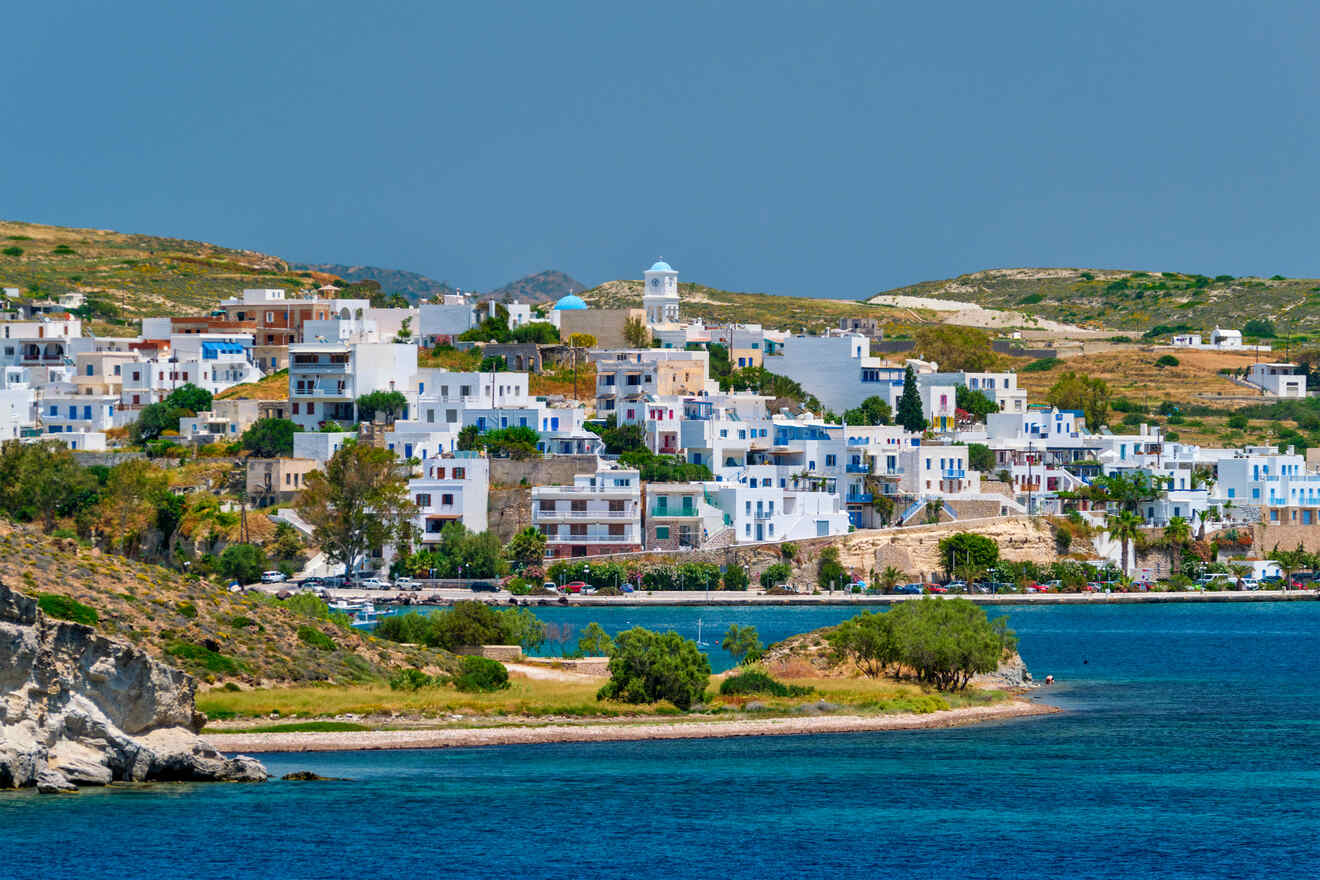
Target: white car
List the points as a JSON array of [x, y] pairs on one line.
[[374, 584], [273, 577], [406, 583]]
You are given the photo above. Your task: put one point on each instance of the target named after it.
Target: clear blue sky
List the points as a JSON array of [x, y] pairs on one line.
[[802, 148]]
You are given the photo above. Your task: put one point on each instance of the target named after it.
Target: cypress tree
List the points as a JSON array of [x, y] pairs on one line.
[[910, 413]]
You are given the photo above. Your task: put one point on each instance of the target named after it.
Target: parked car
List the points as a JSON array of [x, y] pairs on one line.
[[936, 588], [1250, 583], [627, 588], [407, 583], [575, 586], [549, 587], [908, 589], [334, 580], [273, 577], [955, 587], [373, 584], [484, 587], [312, 583]]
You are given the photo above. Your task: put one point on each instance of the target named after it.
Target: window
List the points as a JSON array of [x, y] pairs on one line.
[[662, 533], [578, 506], [447, 499], [830, 461], [547, 506], [460, 473], [617, 530]]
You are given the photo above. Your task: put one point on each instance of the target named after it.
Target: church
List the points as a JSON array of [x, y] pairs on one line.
[[660, 294]]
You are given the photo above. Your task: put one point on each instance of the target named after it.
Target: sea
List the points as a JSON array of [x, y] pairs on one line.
[[1189, 746]]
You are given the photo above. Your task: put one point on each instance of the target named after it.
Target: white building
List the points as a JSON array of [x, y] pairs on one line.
[[1278, 379], [319, 446], [1220, 338], [325, 380], [452, 488], [599, 513], [440, 323], [660, 294]]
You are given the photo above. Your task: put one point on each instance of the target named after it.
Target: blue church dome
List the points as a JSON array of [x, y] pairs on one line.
[[660, 266], [570, 302]]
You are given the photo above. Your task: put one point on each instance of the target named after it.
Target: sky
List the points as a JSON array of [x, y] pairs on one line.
[[811, 149]]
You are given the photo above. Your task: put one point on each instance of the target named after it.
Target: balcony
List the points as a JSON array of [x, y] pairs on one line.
[[583, 514], [860, 498], [952, 474], [591, 539], [322, 391], [763, 515], [857, 468], [664, 510]]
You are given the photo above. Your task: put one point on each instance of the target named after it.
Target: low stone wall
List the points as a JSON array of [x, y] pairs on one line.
[[554, 470], [502, 653]]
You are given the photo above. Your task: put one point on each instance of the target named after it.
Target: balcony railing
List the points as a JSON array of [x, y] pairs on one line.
[[591, 539], [861, 498], [666, 510], [762, 515], [955, 474], [858, 468], [583, 514], [321, 391]]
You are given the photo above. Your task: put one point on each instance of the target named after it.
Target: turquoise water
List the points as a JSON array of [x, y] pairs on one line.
[[1190, 748]]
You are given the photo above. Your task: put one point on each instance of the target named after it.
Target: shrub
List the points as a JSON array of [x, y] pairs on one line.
[[64, 608], [1031, 299], [481, 675], [1238, 422], [735, 578], [754, 681], [788, 550], [187, 609], [648, 667], [776, 574], [1166, 360], [410, 680], [1042, 365], [317, 639], [199, 655], [239, 621], [13, 252]]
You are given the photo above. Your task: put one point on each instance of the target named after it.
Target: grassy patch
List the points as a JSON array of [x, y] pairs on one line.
[[305, 727], [204, 658], [64, 608], [317, 639]]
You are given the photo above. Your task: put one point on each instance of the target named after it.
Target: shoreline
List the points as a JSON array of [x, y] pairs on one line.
[[470, 737]]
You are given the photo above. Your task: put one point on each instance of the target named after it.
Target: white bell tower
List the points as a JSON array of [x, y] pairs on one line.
[[660, 297]]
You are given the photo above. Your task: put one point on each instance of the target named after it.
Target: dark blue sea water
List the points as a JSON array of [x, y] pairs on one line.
[[1190, 748]]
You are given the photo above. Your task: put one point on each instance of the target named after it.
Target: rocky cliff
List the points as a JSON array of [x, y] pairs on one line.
[[80, 709]]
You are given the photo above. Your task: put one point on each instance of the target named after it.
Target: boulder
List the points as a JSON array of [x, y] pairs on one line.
[[77, 708]]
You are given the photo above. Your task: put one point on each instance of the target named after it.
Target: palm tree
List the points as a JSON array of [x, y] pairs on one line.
[[1178, 534], [1125, 528], [1290, 561], [1203, 516], [890, 577]]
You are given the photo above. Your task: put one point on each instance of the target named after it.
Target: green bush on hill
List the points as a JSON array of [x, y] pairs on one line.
[[64, 608]]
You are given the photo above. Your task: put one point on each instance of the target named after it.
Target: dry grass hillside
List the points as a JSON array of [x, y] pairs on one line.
[[135, 275], [1133, 300], [197, 625], [779, 312]]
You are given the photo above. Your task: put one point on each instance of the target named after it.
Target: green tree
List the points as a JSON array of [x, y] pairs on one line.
[[890, 577], [1084, 394], [129, 504], [582, 340], [359, 502], [869, 640], [539, 332], [911, 414], [391, 404], [43, 481], [243, 563], [636, 333], [518, 442], [978, 403], [968, 548], [1177, 535], [830, 573], [1124, 528], [743, 643], [189, 397], [527, 547], [776, 574], [648, 667], [404, 335], [595, 642], [270, 438], [154, 420], [1289, 561], [469, 438], [735, 577], [980, 457], [871, 411]]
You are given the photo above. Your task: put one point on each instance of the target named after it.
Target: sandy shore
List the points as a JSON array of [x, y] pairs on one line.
[[466, 737]]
